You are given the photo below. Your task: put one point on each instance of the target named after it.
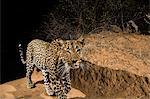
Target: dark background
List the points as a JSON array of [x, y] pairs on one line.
[[18, 19]]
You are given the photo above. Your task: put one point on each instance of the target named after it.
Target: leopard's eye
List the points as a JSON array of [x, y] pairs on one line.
[[77, 48], [68, 50]]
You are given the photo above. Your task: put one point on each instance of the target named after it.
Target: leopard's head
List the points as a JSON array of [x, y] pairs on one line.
[[70, 54]]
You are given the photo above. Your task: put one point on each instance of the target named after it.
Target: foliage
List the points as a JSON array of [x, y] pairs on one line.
[[74, 17]]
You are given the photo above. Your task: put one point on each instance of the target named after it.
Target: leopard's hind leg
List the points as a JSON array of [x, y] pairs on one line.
[[29, 67], [29, 72]]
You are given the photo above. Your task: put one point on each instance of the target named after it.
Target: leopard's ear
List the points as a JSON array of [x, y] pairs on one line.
[[81, 40], [60, 41]]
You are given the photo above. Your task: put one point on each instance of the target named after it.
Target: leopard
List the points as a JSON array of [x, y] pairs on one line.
[[55, 60]]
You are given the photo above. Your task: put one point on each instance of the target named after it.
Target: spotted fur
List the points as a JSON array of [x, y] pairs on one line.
[[55, 60]]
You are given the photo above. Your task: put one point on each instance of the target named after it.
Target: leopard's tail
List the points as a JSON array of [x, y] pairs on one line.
[[21, 54]]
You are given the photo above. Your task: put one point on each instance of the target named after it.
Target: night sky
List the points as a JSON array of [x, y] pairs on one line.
[[19, 17]]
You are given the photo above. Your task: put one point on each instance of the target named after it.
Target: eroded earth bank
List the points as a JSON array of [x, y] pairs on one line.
[[115, 65]]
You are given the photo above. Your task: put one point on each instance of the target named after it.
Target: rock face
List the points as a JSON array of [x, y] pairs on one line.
[[115, 65]]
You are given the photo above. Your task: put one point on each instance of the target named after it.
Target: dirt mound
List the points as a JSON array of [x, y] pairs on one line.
[[116, 65], [129, 52]]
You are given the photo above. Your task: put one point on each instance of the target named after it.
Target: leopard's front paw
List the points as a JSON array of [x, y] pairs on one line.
[[67, 90], [50, 92], [62, 97]]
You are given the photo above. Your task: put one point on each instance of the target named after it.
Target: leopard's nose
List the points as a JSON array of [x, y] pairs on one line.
[[74, 61]]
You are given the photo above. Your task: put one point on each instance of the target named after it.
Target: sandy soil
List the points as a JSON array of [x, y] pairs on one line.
[[17, 90]]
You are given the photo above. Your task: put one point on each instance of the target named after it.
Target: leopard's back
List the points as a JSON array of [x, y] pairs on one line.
[[41, 53]]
